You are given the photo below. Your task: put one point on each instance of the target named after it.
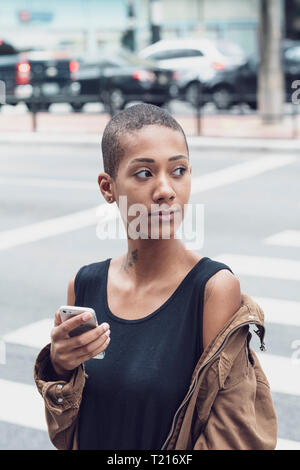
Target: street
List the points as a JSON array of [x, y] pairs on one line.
[[49, 196]]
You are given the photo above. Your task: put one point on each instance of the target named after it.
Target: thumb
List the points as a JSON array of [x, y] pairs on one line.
[[57, 319]]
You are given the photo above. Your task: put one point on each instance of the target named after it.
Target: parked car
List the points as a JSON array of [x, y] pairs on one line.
[[196, 61], [37, 78], [238, 84], [118, 77], [51, 78]]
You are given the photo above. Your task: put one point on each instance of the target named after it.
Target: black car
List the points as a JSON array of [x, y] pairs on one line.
[[37, 78], [238, 84], [120, 77]]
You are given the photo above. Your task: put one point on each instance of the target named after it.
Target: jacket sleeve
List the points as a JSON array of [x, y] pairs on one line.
[[62, 401], [242, 415]]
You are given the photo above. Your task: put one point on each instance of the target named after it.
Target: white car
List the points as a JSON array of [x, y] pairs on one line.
[[186, 53], [195, 60]]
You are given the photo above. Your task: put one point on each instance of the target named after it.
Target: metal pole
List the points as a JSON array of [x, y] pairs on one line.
[[198, 109], [155, 20], [271, 94], [33, 115]]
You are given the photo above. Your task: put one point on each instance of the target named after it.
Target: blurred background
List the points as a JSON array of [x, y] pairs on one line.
[[229, 72], [207, 61]]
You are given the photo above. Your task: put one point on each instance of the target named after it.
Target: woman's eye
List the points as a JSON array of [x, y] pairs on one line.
[[144, 174], [141, 174], [181, 169]]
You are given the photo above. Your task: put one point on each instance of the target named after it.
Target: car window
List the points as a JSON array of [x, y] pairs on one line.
[[162, 55], [7, 49], [176, 54], [253, 64], [107, 63]]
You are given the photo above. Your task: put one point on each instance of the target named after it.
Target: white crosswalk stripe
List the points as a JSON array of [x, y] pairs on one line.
[[34, 335], [261, 266], [285, 238], [93, 216], [12, 409], [285, 444], [282, 372], [284, 312]]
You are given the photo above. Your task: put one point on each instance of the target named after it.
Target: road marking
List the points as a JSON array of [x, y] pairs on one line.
[[239, 172], [285, 444], [50, 227], [282, 373], [49, 183], [22, 404], [283, 312], [35, 335], [260, 266], [285, 238], [77, 220]]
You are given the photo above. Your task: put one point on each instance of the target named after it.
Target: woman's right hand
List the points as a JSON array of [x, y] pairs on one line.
[[68, 352]]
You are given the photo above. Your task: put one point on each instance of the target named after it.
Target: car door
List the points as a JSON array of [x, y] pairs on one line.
[[247, 82]]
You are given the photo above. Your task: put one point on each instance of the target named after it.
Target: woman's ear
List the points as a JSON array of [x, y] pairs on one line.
[[105, 185]]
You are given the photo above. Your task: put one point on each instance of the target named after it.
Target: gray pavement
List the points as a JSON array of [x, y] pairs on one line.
[[244, 206]]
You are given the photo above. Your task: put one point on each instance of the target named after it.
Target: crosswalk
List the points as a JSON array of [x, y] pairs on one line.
[[283, 372]]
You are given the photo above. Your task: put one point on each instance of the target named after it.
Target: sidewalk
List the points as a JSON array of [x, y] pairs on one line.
[[216, 130]]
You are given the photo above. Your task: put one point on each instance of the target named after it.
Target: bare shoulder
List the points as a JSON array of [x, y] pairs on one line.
[[222, 298], [71, 292]]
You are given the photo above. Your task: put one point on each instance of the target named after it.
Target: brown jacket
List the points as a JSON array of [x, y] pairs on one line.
[[227, 406]]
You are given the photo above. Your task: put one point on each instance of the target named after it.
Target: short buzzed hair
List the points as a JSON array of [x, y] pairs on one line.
[[132, 119]]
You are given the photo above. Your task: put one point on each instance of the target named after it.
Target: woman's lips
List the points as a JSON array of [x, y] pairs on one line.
[[163, 215]]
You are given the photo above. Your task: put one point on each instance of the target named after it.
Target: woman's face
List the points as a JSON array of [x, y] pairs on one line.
[[155, 174]]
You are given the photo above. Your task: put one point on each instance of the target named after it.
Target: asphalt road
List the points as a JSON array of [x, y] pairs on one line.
[[251, 222]]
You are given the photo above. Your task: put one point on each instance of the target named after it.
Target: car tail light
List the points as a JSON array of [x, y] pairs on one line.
[[144, 76], [176, 75], [23, 73], [73, 66], [218, 65]]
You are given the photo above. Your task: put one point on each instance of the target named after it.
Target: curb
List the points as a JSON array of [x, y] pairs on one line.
[[287, 145]]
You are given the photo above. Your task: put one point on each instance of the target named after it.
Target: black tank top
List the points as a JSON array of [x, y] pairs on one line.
[[131, 396]]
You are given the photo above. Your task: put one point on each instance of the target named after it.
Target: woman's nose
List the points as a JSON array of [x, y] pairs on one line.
[[163, 190]]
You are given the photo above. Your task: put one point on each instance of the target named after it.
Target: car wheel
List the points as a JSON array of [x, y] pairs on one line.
[[38, 107], [77, 107], [117, 99], [252, 104], [193, 94], [223, 98], [160, 104]]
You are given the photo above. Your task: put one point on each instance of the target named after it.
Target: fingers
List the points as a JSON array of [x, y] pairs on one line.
[[95, 347], [69, 352], [70, 358], [62, 330], [88, 337]]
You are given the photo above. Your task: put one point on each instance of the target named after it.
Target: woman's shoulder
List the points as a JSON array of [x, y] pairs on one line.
[[92, 268], [89, 271]]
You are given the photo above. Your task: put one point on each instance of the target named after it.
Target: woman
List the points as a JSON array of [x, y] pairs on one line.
[[168, 310]]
